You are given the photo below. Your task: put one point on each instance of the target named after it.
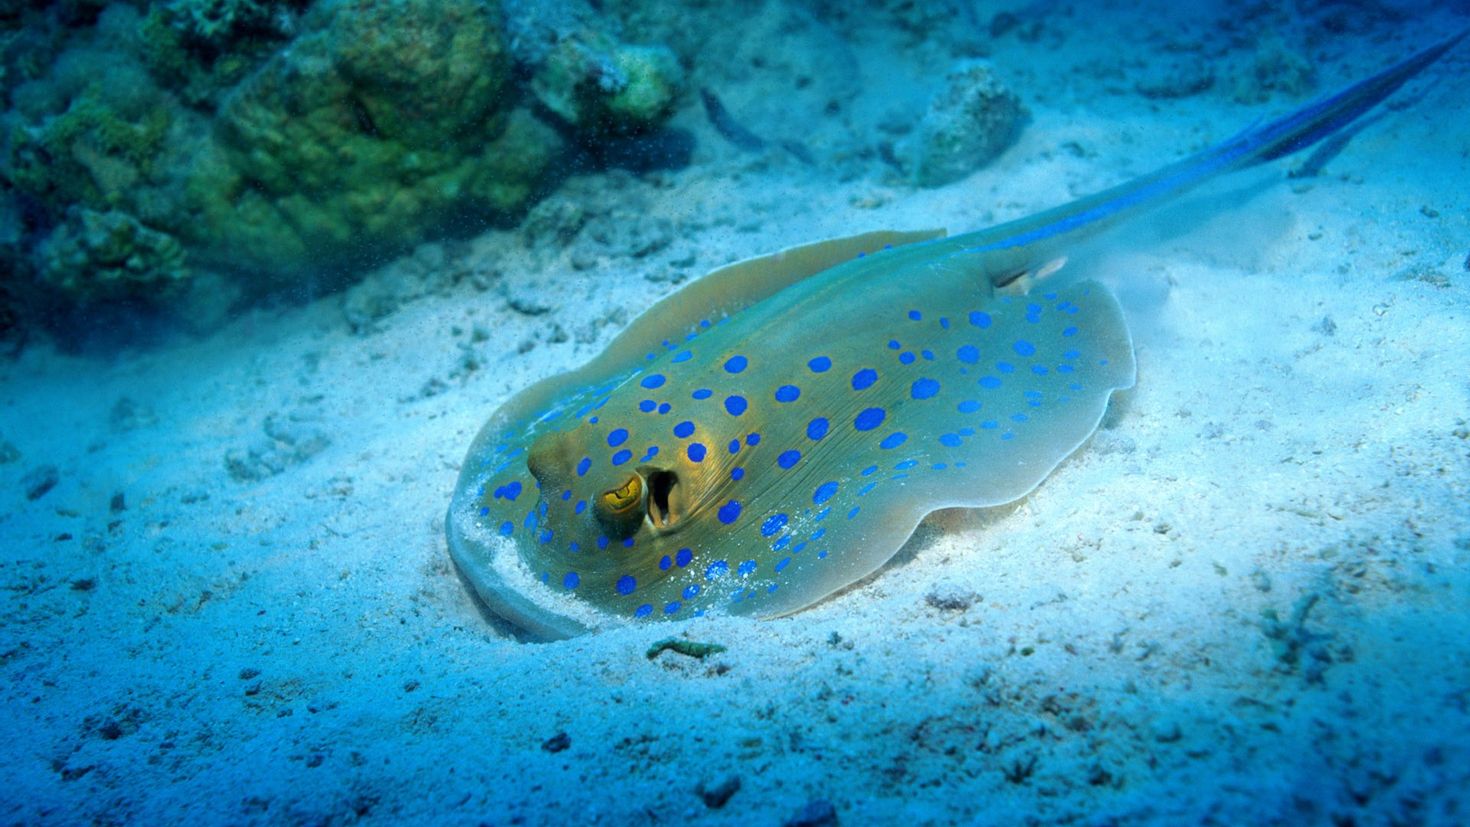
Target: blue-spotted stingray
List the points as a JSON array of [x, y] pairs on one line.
[[776, 430]]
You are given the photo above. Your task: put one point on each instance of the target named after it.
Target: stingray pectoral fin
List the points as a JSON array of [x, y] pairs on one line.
[[734, 287], [1009, 395]]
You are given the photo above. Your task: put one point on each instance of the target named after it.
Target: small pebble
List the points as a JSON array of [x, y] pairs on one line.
[[818, 812], [949, 596], [717, 795], [39, 480]]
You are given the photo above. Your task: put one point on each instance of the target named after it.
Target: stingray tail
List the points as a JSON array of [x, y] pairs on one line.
[[1036, 239]]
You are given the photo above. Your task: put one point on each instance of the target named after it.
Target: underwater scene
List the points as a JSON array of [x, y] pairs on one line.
[[789, 412]]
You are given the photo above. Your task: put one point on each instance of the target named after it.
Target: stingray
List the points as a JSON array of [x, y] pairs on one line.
[[776, 430]]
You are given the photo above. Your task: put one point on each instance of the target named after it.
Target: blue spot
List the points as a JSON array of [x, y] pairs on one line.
[[647, 405], [622, 456], [690, 591], [484, 511], [869, 418], [969, 354], [695, 452], [746, 569], [735, 405], [682, 356], [915, 315], [924, 388], [824, 492], [1039, 370], [782, 563], [735, 364], [773, 525], [864, 379], [653, 380], [570, 581], [506, 528], [643, 611], [729, 512], [737, 473], [566, 495], [990, 382], [509, 492], [702, 393], [664, 408], [626, 585], [788, 458], [1069, 331], [944, 322], [821, 364], [853, 512], [734, 446], [788, 393], [893, 344], [927, 354], [821, 532], [1023, 347], [752, 439], [673, 608], [980, 319], [1071, 355], [602, 543], [1033, 313], [651, 453], [990, 424], [683, 557], [906, 465], [817, 428], [893, 440], [717, 569], [950, 440], [1064, 368], [865, 489], [969, 406], [628, 543], [665, 563], [907, 357], [869, 471], [617, 437], [1020, 417], [683, 429]]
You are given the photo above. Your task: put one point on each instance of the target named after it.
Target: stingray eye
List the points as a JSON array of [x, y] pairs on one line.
[[620, 510]]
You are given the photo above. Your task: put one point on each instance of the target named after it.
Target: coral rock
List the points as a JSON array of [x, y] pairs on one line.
[[971, 121]]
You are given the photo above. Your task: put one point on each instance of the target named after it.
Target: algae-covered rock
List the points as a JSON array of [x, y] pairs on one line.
[[971, 121], [602, 86], [374, 128], [104, 255], [87, 137], [200, 48]]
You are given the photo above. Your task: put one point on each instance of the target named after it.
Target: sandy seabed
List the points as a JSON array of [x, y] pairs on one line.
[[1244, 601]]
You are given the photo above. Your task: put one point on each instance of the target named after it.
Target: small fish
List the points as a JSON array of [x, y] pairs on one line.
[[776, 430], [731, 130]]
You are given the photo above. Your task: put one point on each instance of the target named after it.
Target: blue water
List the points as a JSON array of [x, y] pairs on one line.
[[240, 376]]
